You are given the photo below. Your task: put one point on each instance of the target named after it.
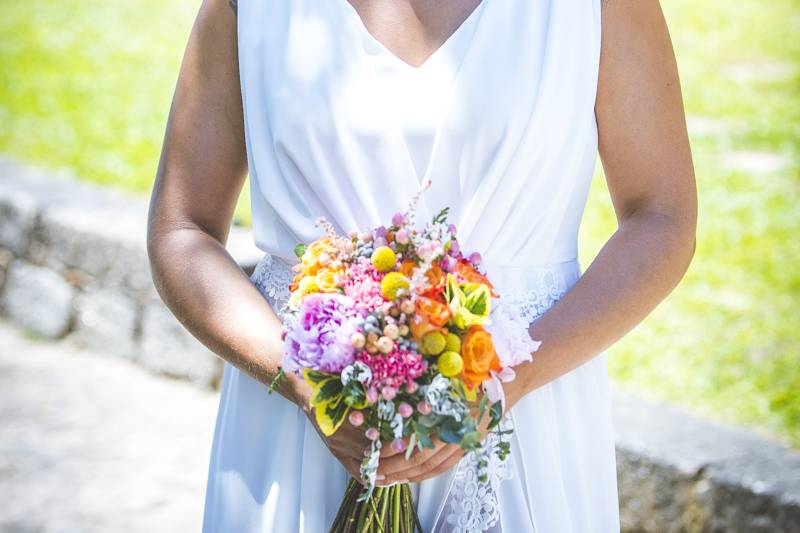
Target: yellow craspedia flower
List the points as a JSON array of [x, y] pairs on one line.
[[433, 343], [383, 259], [452, 342], [450, 364], [392, 283]]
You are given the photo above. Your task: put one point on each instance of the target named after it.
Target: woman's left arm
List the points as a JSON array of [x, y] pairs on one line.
[[644, 148]]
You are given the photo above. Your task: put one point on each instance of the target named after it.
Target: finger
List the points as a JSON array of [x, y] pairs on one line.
[[428, 466], [423, 465], [387, 450], [441, 468], [398, 462]]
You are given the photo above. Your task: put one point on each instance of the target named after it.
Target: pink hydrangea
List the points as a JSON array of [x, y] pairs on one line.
[[394, 369], [363, 285]]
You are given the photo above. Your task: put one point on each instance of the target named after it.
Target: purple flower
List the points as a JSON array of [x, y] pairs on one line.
[[319, 338]]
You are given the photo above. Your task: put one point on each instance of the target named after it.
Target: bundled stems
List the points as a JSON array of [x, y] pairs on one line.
[[387, 510]]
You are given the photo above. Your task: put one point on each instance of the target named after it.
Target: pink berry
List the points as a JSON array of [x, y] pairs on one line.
[[372, 433], [411, 387], [372, 395], [405, 410], [356, 418], [398, 445], [424, 408], [402, 236], [388, 393]]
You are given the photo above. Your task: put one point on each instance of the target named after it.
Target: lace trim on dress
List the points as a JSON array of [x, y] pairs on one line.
[[549, 286], [473, 506], [272, 276]]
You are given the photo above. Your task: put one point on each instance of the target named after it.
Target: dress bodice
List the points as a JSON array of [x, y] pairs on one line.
[[500, 118]]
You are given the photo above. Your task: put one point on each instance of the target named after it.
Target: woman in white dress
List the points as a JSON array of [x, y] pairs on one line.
[[343, 108]]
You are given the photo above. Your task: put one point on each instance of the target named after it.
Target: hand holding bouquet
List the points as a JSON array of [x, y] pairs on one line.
[[399, 332]]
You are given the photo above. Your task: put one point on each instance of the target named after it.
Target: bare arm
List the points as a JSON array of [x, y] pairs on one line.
[[200, 175], [645, 152], [201, 172]]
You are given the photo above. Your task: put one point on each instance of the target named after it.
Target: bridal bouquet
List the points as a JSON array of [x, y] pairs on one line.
[[401, 333]]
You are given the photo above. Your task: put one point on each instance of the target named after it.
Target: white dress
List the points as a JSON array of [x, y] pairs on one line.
[[501, 119]]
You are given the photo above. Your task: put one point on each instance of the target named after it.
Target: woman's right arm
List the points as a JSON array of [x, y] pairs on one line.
[[200, 174]]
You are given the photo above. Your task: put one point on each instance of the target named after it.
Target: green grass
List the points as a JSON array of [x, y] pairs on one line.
[[87, 86], [726, 341]]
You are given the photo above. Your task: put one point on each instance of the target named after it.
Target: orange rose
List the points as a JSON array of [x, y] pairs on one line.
[[479, 356], [435, 310], [310, 259], [467, 272]]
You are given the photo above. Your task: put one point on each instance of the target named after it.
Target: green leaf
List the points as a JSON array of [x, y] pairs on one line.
[[471, 440], [299, 250], [328, 390], [330, 415], [482, 405], [425, 440], [449, 436], [496, 413], [441, 216]]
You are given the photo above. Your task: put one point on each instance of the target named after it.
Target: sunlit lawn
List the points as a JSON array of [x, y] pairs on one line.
[[87, 85]]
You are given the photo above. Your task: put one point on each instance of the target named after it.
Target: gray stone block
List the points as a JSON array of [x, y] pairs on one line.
[[18, 211], [107, 321], [6, 258], [167, 347], [681, 472], [105, 241], [38, 299]]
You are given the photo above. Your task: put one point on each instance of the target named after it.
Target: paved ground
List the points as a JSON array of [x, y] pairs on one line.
[[95, 444]]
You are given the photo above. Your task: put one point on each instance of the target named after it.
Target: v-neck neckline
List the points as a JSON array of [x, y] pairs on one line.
[[358, 24]]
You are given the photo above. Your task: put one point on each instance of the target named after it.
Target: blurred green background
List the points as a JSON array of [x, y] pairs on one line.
[[87, 86]]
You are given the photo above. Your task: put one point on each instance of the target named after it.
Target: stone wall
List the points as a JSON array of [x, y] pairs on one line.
[[73, 262]]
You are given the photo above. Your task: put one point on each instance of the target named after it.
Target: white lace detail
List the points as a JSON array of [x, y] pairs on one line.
[[272, 276], [549, 286], [473, 506]]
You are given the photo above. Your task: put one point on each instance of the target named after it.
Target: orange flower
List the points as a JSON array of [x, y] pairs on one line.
[[436, 281], [435, 310], [407, 267], [467, 272], [420, 325], [479, 356], [310, 260]]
